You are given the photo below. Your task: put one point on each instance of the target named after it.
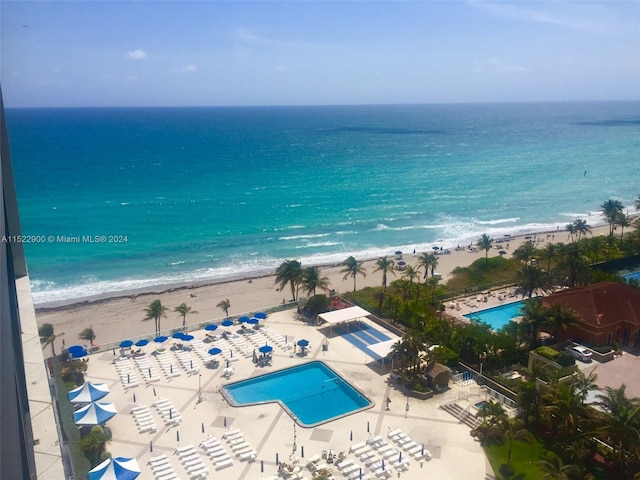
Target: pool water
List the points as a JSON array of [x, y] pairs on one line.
[[634, 276], [497, 317], [480, 404], [311, 393]]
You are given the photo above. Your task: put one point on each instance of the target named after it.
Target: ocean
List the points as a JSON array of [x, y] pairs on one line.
[[116, 199]]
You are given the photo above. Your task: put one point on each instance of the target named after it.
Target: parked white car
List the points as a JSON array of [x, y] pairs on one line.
[[580, 353]]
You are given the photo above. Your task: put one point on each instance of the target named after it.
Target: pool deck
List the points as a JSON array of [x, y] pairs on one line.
[[474, 303], [269, 430]]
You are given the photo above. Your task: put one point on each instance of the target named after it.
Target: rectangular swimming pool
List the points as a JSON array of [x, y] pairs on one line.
[[311, 393], [497, 317]]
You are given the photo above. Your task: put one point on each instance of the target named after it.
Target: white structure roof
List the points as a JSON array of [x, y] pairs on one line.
[[344, 315], [383, 348]]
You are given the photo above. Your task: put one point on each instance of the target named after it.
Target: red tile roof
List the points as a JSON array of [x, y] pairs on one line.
[[601, 304]]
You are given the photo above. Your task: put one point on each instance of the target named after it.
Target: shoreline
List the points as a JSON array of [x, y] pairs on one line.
[[115, 316]]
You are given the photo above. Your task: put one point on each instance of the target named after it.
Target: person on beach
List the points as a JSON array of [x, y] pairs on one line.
[[388, 402]]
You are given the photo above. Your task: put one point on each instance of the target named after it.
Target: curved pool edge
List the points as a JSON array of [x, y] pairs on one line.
[[229, 399]]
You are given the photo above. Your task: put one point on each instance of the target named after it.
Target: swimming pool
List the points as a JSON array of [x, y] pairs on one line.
[[311, 393], [497, 317], [632, 276]]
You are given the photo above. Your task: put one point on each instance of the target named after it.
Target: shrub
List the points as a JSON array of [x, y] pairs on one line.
[[547, 352], [603, 349]]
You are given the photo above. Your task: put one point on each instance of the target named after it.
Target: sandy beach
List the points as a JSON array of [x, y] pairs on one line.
[[118, 317]]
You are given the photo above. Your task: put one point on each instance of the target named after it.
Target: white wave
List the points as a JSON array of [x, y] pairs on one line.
[[318, 244], [179, 262], [310, 235], [499, 221]]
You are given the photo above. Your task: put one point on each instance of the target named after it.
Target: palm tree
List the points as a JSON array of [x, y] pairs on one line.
[[560, 316], [433, 263], [571, 228], [610, 210], [534, 315], [155, 311], [581, 228], [550, 252], [514, 431], [621, 424], [384, 265], [224, 305], [312, 280], [584, 384], [564, 407], [48, 337], [623, 221], [484, 243], [411, 273], [525, 252], [572, 265], [424, 261], [184, 310], [555, 469], [595, 246], [353, 268], [531, 279], [289, 271], [87, 334], [636, 203]]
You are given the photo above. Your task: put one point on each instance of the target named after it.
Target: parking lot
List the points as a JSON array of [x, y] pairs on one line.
[[622, 369]]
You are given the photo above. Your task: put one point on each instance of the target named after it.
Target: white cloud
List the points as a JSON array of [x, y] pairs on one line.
[[493, 65], [189, 68], [137, 54], [566, 14]]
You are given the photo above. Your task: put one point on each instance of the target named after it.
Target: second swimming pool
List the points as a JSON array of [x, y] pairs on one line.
[[311, 393], [498, 317]]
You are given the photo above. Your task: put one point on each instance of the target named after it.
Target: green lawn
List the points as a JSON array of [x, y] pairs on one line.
[[524, 458]]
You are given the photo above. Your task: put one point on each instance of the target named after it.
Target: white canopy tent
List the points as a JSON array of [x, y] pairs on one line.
[[384, 348], [344, 315]]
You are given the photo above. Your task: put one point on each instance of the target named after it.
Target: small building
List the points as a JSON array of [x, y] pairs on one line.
[[437, 376], [608, 312]]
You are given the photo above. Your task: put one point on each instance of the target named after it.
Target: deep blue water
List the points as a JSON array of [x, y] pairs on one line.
[[220, 193], [312, 392]]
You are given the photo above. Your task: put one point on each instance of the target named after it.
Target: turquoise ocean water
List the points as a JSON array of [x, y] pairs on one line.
[[219, 193]]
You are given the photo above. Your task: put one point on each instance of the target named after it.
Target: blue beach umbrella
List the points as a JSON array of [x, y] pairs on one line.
[[303, 343], [142, 342], [79, 353], [214, 351], [126, 343], [118, 468], [211, 327], [227, 323], [94, 414], [261, 315], [161, 339], [253, 321], [187, 337], [265, 349], [75, 348], [89, 392], [243, 319], [177, 335]]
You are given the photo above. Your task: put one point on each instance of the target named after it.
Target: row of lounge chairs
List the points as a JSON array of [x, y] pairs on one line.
[[405, 442], [127, 374], [168, 364], [217, 453], [162, 468], [239, 445], [192, 462], [167, 410], [143, 418], [147, 371], [186, 360]]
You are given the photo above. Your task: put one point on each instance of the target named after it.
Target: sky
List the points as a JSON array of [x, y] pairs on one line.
[[237, 53]]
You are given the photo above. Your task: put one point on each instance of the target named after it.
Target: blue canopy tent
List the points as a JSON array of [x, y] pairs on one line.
[[118, 468], [94, 414], [89, 392]]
